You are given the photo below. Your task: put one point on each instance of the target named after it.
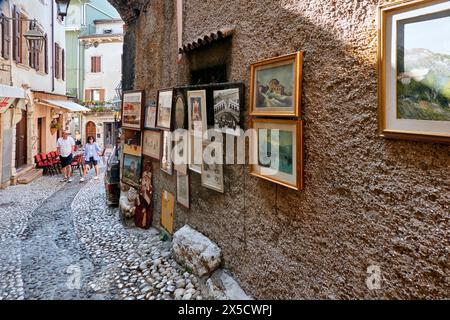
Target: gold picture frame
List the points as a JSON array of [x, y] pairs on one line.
[[294, 160], [270, 82], [401, 114]]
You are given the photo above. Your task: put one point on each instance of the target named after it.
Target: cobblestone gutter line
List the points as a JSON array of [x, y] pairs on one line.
[[17, 204]]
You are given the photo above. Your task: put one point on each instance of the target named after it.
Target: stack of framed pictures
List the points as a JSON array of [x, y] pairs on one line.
[[275, 92], [132, 118], [137, 170]]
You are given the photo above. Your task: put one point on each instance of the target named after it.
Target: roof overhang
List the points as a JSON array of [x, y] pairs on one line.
[[206, 39]]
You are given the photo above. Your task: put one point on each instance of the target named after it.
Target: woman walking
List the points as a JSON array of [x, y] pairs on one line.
[[91, 156]]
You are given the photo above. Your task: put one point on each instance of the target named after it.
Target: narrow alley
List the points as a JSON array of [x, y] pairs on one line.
[[60, 241]]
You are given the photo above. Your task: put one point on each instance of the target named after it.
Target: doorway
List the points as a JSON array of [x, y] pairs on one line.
[[91, 130], [21, 141]]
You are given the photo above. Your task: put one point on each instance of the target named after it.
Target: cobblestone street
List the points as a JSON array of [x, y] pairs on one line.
[[60, 241]]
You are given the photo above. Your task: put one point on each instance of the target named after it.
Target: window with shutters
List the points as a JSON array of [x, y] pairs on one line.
[[97, 95], [34, 55], [5, 32], [96, 64]]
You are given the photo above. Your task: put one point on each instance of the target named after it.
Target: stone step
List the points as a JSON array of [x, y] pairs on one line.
[[29, 176]]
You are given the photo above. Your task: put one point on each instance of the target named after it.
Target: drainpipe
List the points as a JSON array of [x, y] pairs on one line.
[[53, 46]]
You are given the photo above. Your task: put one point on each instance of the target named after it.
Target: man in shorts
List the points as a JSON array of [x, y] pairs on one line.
[[66, 147]]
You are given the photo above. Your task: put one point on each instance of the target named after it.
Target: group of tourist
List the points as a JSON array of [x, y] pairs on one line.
[[91, 156]]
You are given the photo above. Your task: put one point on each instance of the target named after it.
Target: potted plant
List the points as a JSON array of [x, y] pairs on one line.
[[54, 126]]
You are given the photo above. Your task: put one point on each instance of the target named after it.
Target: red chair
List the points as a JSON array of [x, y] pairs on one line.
[[42, 164]]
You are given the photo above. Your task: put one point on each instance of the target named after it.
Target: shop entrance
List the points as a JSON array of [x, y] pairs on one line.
[[21, 141]]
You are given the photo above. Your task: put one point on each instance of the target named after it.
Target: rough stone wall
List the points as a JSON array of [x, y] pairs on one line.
[[366, 200]]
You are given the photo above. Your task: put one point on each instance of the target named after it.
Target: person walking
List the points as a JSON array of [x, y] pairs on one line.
[[66, 147], [91, 156]]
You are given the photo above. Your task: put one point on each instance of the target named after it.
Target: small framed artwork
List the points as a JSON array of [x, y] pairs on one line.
[[183, 189], [277, 153], [166, 158], [146, 181], [151, 145], [167, 210], [180, 111], [276, 86], [197, 116], [132, 142], [195, 153], [164, 111], [132, 109], [227, 110], [212, 166], [180, 151], [414, 70], [150, 117], [131, 170], [143, 214]]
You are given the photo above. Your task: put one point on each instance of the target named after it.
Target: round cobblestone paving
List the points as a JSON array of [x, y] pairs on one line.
[[61, 241]]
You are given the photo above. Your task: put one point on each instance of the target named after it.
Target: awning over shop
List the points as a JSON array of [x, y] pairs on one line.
[[68, 105], [11, 92], [8, 95]]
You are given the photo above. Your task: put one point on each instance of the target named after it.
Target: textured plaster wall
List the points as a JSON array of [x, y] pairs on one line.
[[366, 201]]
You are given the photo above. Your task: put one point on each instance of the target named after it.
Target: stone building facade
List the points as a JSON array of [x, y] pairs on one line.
[[367, 201]]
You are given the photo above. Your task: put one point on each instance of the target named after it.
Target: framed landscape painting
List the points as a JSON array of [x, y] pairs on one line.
[[414, 70], [131, 170], [277, 153], [276, 86], [164, 111], [151, 145], [132, 109]]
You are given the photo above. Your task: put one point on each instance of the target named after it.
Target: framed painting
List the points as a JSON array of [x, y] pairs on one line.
[[132, 142], [195, 153], [132, 109], [197, 116], [227, 110], [180, 151], [150, 117], [414, 71], [277, 152], [151, 145], [131, 170], [164, 110], [180, 111], [212, 166], [183, 189], [146, 181], [276, 86], [166, 157]]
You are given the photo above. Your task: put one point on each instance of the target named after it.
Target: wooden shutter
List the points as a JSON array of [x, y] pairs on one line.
[[5, 37], [17, 31], [87, 95], [46, 54], [102, 95], [99, 64], [63, 64], [57, 61]]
